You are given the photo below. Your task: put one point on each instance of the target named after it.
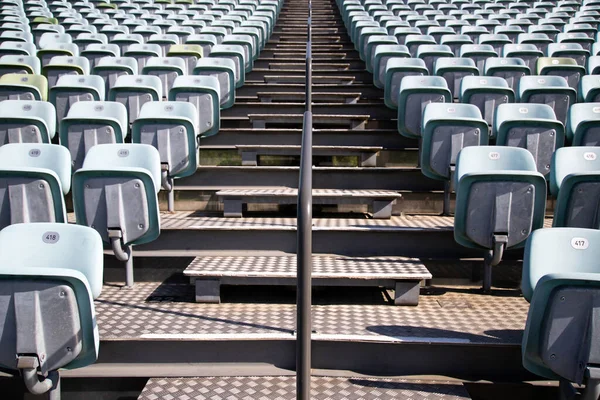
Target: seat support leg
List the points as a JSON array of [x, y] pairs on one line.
[[493, 258], [122, 254], [592, 385], [168, 184]]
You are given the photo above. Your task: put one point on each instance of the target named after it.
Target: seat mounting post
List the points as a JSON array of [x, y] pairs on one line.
[[168, 184], [493, 258], [122, 253]]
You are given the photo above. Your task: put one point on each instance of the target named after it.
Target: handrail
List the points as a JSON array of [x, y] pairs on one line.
[[304, 242]]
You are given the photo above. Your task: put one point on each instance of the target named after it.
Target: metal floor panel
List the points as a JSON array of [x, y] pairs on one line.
[[284, 388], [166, 311]]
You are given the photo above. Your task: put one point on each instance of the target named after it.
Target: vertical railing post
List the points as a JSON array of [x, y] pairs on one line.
[[304, 244]]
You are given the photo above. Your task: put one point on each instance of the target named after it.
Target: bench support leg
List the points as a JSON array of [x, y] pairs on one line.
[[232, 208], [382, 209], [368, 159], [249, 158], [407, 293], [208, 291]]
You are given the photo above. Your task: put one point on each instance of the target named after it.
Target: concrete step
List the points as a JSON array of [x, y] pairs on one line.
[[366, 154]]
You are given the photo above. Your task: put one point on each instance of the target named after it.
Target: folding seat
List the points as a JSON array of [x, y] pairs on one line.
[[142, 53], [589, 88], [23, 87], [40, 29], [13, 64], [165, 41], [455, 42], [539, 40], [65, 65], [124, 41], [413, 42], [430, 54], [526, 52], [110, 68], [588, 29], [500, 200], [112, 31], [497, 41], [372, 44], [512, 32], [17, 49], [530, 126], [437, 32], [76, 30], [133, 91], [549, 30], [51, 274], [424, 26], [486, 93], [381, 55], [70, 89], [90, 123], [257, 37], [45, 54], [52, 38], [478, 53], [576, 37], [448, 128], [95, 52], [415, 93], [35, 177], [195, 25], [510, 69], [402, 33], [453, 70], [115, 192], [85, 39], [206, 41], [583, 124], [16, 36], [564, 67], [474, 32], [218, 32], [364, 33], [395, 71], [569, 50], [23, 121], [224, 70], [247, 43], [236, 54], [204, 93]]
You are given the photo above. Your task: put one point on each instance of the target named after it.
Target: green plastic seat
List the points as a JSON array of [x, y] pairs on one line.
[[25, 121], [416, 92], [447, 129], [565, 67], [38, 175], [206, 41], [560, 279], [23, 87], [583, 127], [530, 126], [486, 93], [381, 55], [548, 89], [363, 37], [171, 127], [396, 70], [64, 65], [453, 70], [414, 41], [90, 123], [511, 69], [204, 93], [133, 91], [15, 64], [373, 43], [430, 54], [224, 70], [236, 54], [189, 53]]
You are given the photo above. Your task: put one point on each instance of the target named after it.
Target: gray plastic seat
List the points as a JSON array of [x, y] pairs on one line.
[[110, 68], [133, 91], [224, 70], [416, 92], [95, 52], [90, 123], [115, 192], [166, 69], [569, 50], [575, 182], [204, 93], [63, 65], [430, 54], [497, 41], [51, 274], [455, 42], [35, 177], [15, 64], [70, 89], [589, 88], [551, 90], [478, 53], [23, 121], [395, 72], [529, 53], [453, 70], [143, 52], [500, 200], [565, 67], [486, 93], [510, 69], [583, 127], [530, 126]]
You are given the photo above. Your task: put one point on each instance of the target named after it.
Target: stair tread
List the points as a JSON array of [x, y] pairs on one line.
[[291, 192]]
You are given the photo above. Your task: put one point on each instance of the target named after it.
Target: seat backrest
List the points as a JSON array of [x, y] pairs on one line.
[[583, 117], [30, 63], [40, 113], [493, 158], [16, 86], [570, 160]]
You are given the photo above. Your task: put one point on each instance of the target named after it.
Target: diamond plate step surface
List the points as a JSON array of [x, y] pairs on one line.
[[284, 388]]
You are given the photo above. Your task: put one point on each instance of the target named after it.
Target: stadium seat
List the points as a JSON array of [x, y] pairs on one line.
[[412, 42], [35, 177], [115, 191], [565, 67], [497, 41], [142, 53], [395, 71], [70, 89], [24, 121], [45, 54], [237, 55], [204, 93], [16, 36], [569, 50], [172, 127], [51, 274], [415, 93], [560, 280], [14, 64], [526, 52], [23, 87], [52, 38], [166, 69], [510, 69], [447, 128], [500, 200], [124, 41], [583, 122], [455, 42], [89, 123], [511, 31], [110, 68], [372, 44], [453, 70], [146, 31], [224, 70], [381, 55], [165, 41], [17, 49], [218, 32], [478, 53], [133, 91], [589, 88], [402, 32], [431, 53], [64, 65], [551, 90], [486, 93], [531, 126], [189, 53], [206, 41], [580, 38], [85, 39], [95, 52]]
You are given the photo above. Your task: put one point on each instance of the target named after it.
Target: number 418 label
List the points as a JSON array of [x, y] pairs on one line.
[[579, 243], [50, 237]]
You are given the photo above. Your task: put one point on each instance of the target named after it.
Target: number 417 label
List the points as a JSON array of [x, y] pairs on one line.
[[579, 243]]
